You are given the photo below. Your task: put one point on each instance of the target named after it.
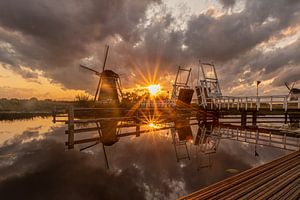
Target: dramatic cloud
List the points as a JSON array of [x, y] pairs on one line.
[[54, 37], [228, 36]]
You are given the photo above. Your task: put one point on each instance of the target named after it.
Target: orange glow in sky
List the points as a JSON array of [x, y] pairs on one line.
[[13, 85]]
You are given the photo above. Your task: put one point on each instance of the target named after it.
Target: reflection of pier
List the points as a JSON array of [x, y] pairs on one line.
[[206, 145], [209, 136], [180, 146], [106, 122], [181, 135], [259, 136], [109, 129]]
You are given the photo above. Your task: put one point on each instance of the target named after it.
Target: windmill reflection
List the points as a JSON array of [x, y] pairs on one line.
[[201, 145]]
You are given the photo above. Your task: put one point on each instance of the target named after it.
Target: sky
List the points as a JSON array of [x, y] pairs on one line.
[[43, 42]]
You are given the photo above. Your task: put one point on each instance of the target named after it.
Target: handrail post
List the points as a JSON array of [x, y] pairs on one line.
[[228, 100], [71, 128], [271, 104], [285, 104]]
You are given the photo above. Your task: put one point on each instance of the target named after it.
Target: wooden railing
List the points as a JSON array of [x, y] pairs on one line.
[[282, 140], [260, 102]]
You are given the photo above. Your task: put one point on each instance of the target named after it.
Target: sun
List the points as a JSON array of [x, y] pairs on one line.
[[153, 125], [154, 89]]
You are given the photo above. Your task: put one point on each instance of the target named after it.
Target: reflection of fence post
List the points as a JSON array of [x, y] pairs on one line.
[[71, 128], [54, 114], [137, 122], [243, 118], [254, 118]]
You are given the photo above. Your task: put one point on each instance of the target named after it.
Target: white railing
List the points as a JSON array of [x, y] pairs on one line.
[[266, 102], [255, 137], [156, 104]]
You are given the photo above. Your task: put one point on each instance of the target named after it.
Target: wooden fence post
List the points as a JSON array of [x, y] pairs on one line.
[[71, 128]]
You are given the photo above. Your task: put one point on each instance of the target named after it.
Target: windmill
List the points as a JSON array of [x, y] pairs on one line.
[[108, 90], [108, 93], [294, 93]]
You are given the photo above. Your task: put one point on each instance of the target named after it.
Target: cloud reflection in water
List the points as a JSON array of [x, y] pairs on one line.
[[140, 168]]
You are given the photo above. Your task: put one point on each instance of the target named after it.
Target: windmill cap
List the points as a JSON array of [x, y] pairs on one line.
[[110, 73]]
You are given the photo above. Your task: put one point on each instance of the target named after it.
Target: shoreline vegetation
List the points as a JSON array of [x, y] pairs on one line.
[[13, 109]]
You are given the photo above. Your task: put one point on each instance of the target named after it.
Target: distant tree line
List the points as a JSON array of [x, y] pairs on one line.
[[30, 105]]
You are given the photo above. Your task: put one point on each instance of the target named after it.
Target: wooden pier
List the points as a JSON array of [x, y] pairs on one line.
[[225, 124], [278, 179]]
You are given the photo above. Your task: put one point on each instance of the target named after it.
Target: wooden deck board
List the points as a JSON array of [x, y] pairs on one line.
[[277, 179]]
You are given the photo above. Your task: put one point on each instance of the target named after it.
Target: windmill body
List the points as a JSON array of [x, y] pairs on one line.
[[109, 90], [294, 93]]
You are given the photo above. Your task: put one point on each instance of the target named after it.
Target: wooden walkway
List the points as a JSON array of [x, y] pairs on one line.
[[278, 179]]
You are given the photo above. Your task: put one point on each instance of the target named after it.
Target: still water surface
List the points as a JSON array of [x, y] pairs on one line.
[[33, 157]]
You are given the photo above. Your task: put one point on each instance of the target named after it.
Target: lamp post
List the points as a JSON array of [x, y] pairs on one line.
[[257, 83], [255, 151]]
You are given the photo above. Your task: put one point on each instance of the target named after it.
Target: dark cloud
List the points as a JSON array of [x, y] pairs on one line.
[[281, 63], [228, 36], [227, 3], [55, 36]]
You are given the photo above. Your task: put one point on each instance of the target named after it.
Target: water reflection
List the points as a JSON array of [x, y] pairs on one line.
[[15, 128], [190, 139], [162, 164]]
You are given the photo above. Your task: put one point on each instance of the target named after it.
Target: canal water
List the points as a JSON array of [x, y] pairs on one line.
[[35, 163]]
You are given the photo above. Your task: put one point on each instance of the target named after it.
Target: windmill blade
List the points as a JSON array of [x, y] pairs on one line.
[[103, 68], [105, 57], [105, 156], [293, 85], [97, 90], [84, 148], [287, 85], [87, 68]]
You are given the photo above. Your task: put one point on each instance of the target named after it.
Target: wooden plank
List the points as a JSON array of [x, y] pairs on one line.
[[230, 182], [245, 187]]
